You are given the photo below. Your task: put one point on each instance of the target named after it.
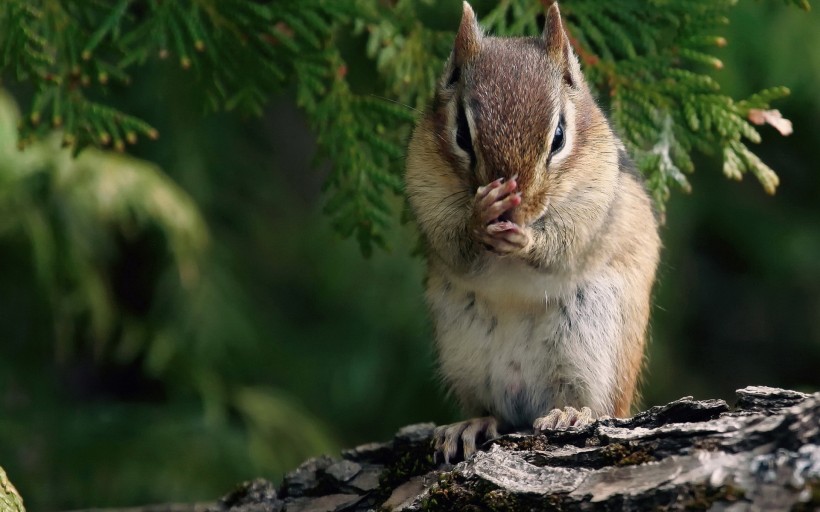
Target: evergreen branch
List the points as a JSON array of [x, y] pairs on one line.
[[803, 4], [663, 102], [24, 49], [650, 59], [408, 55], [353, 134], [514, 18]]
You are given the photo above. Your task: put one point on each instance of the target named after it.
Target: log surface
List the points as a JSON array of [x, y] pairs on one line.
[[764, 454]]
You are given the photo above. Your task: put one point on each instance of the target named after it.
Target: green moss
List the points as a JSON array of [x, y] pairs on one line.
[[447, 494], [708, 444], [528, 443], [410, 460], [619, 454], [499, 500], [455, 493], [405, 466], [703, 497], [814, 499]]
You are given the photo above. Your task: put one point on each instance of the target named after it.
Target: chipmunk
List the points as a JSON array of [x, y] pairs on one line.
[[542, 243]]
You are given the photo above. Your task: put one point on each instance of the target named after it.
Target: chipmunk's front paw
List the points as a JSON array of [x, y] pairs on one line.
[[491, 226], [459, 440], [562, 419]]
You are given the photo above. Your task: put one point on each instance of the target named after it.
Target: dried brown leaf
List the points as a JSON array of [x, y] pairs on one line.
[[772, 117]]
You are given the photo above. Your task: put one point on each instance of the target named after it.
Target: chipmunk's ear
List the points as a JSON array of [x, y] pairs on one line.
[[468, 39], [466, 47], [559, 48]]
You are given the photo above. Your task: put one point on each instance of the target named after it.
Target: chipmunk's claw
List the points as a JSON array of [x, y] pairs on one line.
[[558, 419], [492, 227], [460, 440]]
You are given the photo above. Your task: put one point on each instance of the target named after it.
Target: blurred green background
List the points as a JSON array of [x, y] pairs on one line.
[[168, 333]]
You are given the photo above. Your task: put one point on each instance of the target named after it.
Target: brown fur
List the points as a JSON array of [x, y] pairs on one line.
[[587, 227]]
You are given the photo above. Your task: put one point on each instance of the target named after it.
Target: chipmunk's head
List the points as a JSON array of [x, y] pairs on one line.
[[510, 107]]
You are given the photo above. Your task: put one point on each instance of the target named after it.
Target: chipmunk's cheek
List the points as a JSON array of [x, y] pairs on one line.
[[541, 220]]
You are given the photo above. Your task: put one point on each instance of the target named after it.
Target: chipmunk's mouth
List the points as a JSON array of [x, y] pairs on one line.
[[512, 216], [524, 215]]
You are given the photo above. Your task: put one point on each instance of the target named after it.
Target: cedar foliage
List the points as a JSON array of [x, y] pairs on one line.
[[650, 61], [69, 62]]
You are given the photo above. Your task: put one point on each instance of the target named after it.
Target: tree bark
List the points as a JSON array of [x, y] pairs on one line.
[[762, 455]]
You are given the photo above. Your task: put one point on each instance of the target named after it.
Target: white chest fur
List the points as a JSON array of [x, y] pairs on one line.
[[516, 343]]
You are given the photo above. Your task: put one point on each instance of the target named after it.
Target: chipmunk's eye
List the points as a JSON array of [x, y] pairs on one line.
[[558, 138], [463, 137]]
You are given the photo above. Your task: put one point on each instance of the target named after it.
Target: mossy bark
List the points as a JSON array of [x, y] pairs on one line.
[[687, 455]]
